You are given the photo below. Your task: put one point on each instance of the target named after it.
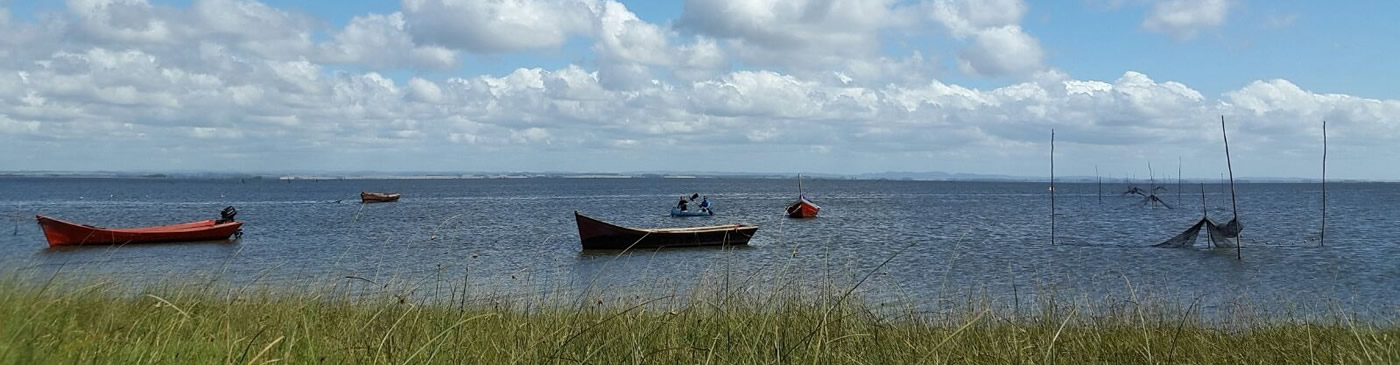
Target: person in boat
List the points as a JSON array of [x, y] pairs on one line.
[[705, 204], [681, 204]]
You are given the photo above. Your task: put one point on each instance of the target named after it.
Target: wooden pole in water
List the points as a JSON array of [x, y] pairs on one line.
[[1205, 215], [1178, 180], [1052, 186], [1203, 200], [1234, 206], [1096, 175], [1151, 179], [1322, 238]]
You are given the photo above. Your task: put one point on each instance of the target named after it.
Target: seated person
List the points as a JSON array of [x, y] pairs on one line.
[[682, 204]]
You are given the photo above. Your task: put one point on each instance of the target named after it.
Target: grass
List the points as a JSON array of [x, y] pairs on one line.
[[96, 321]]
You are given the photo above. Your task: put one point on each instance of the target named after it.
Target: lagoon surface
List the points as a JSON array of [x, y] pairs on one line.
[[942, 240]]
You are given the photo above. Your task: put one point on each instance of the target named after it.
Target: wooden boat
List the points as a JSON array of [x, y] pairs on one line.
[[677, 212], [61, 233], [378, 197], [802, 208], [598, 235]]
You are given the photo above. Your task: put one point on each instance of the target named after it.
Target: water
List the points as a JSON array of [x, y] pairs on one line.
[[958, 237]]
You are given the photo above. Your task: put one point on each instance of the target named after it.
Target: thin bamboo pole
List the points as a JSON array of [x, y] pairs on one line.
[[1096, 175], [1322, 238], [1205, 215], [1052, 186], [1203, 200], [1178, 181], [1234, 206]]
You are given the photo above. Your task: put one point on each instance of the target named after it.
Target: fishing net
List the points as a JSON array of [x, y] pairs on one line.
[[1186, 238], [1227, 235]]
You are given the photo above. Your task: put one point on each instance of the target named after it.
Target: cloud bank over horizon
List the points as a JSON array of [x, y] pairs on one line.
[[837, 86]]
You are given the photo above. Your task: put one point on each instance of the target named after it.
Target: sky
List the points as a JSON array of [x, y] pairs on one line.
[[763, 86]]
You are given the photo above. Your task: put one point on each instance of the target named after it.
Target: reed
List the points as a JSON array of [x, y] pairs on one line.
[[61, 320]]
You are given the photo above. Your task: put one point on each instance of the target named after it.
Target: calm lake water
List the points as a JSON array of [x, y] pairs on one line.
[[992, 239]]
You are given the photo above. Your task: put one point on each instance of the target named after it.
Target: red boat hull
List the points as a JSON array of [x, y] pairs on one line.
[[60, 233], [803, 209]]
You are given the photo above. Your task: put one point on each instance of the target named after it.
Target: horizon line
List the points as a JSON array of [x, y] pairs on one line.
[[372, 174]]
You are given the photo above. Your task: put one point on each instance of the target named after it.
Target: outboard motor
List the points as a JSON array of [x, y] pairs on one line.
[[227, 215]]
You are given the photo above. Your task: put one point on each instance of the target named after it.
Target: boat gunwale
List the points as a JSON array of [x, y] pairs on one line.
[[172, 228], [701, 229]]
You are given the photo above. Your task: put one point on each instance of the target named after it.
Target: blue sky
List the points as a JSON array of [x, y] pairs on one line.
[[840, 86]]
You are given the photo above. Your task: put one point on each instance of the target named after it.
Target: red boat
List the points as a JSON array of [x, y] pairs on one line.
[[60, 233], [66, 234], [600, 235], [378, 197], [803, 209]]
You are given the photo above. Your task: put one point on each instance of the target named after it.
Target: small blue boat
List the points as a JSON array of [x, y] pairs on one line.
[[677, 212]]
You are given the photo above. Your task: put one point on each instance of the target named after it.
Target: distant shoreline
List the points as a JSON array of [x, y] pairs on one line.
[[499, 176]]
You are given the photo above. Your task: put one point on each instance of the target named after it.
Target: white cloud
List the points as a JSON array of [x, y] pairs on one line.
[[301, 110], [381, 41], [805, 36], [248, 20], [238, 28], [128, 21], [998, 46], [498, 25], [1183, 19], [121, 96], [1283, 110], [424, 91], [627, 47], [1001, 50], [967, 17], [624, 37]]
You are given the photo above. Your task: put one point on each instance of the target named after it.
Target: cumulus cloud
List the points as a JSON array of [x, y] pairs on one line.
[[1001, 50], [498, 25], [967, 17], [381, 41], [997, 44], [803, 35], [627, 46], [203, 91], [1183, 19]]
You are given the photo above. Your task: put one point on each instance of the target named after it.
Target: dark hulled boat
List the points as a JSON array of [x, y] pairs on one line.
[[378, 197], [599, 235]]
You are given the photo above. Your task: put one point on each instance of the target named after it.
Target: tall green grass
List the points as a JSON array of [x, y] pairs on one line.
[[341, 322]]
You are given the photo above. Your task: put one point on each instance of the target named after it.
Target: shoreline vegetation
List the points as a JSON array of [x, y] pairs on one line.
[[67, 319]]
